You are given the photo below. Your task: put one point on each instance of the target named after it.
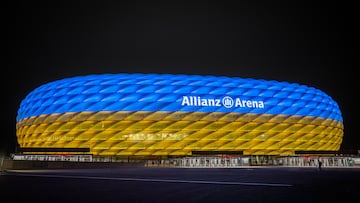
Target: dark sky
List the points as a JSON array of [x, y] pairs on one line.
[[310, 44]]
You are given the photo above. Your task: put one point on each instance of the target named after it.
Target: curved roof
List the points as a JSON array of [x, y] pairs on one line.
[[167, 92]]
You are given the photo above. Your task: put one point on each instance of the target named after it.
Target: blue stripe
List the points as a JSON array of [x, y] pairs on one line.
[[164, 92]]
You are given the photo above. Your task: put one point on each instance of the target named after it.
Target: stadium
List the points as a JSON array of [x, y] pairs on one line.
[[169, 115]]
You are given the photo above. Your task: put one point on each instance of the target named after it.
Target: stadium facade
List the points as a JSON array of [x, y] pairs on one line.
[[145, 115]]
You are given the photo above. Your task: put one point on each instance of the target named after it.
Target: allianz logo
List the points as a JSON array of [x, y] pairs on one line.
[[226, 101]]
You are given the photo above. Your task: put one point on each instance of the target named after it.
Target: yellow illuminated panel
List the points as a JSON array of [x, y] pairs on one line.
[[179, 133]]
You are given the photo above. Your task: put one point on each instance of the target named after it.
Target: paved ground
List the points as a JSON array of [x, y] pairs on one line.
[[182, 185]]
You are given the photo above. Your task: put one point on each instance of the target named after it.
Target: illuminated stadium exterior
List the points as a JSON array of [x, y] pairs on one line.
[[176, 115]]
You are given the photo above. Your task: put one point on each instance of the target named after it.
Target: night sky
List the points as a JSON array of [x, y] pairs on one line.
[[297, 42]]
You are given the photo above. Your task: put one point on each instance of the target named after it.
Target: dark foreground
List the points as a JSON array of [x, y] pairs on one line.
[[181, 185]]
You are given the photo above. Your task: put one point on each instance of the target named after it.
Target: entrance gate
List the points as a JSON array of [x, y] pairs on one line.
[[211, 161]]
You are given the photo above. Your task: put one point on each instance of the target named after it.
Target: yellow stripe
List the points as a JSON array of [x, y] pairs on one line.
[[179, 133]]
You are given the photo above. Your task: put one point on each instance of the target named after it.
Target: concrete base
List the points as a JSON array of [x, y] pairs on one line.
[[9, 164]]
